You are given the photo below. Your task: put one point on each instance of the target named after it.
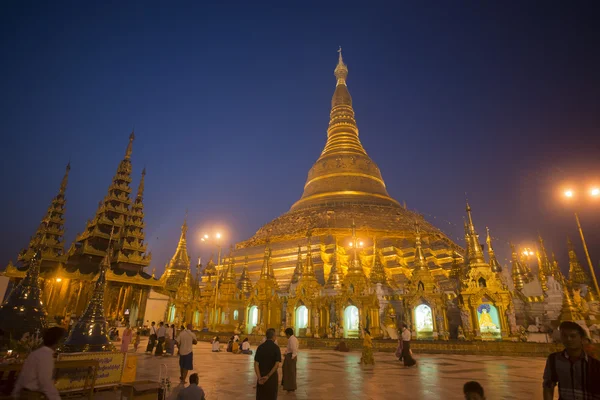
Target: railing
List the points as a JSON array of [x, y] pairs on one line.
[[9, 373]]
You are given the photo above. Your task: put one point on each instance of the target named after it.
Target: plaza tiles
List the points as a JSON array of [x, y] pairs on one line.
[[330, 375]]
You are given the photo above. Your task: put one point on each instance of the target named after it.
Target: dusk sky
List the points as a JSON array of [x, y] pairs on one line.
[[231, 103]]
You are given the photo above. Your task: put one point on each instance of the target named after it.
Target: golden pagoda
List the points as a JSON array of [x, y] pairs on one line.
[[344, 197], [577, 275]]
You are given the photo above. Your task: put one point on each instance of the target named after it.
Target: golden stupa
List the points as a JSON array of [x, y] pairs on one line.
[[345, 187]]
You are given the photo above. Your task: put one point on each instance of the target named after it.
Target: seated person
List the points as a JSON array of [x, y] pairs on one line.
[[230, 345], [246, 347], [342, 346], [192, 392], [216, 346], [235, 349]]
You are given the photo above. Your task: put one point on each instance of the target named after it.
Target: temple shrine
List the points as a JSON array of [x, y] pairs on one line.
[[345, 257]]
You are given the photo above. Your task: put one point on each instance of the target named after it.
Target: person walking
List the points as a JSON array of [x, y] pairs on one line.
[[36, 377], [192, 392], [136, 341], [160, 335], [152, 338], [575, 372], [266, 362], [127, 336], [289, 362], [367, 352], [409, 361], [186, 341]]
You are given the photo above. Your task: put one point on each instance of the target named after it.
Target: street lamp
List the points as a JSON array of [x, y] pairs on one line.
[[217, 241], [594, 192]]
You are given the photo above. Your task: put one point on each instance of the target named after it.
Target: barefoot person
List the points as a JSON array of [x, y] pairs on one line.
[[35, 379], [367, 352], [576, 373], [289, 362], [409, 361], [266, 362], [186, 341]]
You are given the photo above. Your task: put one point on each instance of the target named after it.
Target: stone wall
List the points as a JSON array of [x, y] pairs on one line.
[[523, 349]]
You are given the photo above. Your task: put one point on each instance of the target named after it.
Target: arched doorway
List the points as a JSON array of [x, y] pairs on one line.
[[351, 322], [301, 320], [424, 322], [252, 318]]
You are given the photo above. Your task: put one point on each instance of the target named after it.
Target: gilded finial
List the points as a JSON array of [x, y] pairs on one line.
[[140, 192], [130, 145], [341, 70], [63, 184]]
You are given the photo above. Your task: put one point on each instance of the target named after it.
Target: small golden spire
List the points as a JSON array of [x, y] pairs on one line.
[[420, 263], [341, 70], [496, 267], [63, 184], [140, 192], [130, 146], [519, 275], [180, 259], [309, 269]]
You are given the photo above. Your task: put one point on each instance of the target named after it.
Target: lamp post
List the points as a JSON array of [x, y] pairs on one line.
[[217, 239], [594, 192]]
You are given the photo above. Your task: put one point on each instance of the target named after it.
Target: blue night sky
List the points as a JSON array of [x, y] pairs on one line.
[[230, 106]]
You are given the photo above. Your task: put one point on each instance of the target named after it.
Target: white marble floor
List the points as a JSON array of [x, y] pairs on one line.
[[331, 375]]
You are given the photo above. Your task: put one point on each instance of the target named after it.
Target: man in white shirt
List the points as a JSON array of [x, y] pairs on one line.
[[289, 362], [409, 361], [36, 376], [186, 341], [160, 335], [152, 338]]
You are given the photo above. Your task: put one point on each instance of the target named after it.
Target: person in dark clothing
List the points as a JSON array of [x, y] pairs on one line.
[[152, 338], [266, 362], [473, 391], [575, 372]]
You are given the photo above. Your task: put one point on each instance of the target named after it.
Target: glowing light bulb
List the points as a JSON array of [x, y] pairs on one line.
[[360, 244], [595, 191], [350, 244], [58, 279], [569, 193], [218, 236], [205, 236]]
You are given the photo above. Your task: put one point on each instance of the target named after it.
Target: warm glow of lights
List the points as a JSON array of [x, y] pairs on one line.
[[525, 253], [531, 253], [350, 244], [58, 279], [595, 191], [205, 236], [360, 244], [569, 193], [218, 236]]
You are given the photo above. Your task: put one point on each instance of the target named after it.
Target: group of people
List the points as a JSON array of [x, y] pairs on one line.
[[162, 339], [403, 351], [233, 346], [267, 361]]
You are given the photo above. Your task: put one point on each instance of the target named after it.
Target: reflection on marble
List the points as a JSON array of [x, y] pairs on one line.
[[331, 375]]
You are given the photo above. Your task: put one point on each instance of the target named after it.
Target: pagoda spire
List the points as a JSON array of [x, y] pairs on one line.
[[309, 269], [518, 273], [344, 172], [115, 213], [180, 259], [556, 272], [245, 284], [420, 263], [132, 246], [456, 270], [467, 244], [230, 274], [299, 268], [475, 251], [89, 333], [335, 275], [51, 229], [568, 311], [355, 267], [494, 264], [577, 275], [378, 270], [23, 311], [265, 271], [544, 267]]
